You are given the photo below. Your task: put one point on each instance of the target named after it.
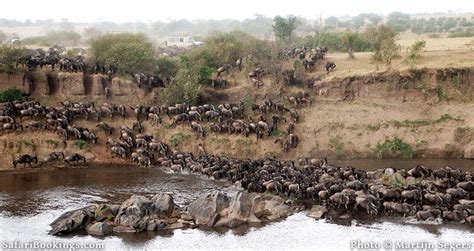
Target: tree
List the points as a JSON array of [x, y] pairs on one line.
[[349, 39], [383, 42], [331, 22], [283, 27], [3, 37], [413, 52], [186, 86], [128, 52], [399, 21], [11, 55]]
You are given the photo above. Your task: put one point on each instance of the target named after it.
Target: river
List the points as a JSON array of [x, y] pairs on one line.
[[29, 201]]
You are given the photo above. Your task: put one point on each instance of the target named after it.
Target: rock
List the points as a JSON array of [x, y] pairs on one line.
[[317, 212], [73, 220], [99, 229], [106, 212], [176, 225], [163, 204], [151, 226], [206, 209], [469, 152], [133, 212], [240, 211], [269, 207], [123, 229]]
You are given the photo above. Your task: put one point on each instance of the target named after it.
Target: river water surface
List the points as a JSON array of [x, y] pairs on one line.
[[29, 201]]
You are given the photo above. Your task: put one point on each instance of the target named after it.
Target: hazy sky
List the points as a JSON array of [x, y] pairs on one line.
[[152, 10]]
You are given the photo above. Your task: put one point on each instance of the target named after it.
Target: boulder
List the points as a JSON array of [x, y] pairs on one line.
[[162, 204], [207, 209], [123, 229], [106, 212], [317, 212], [269, 207], [240, 211], [469, 152], [133, 212], [99, 229], [73, 220]]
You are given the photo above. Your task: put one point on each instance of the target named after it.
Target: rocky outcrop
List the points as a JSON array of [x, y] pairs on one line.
[[140, 213], [207, 209], [317, 212], [73, 220]]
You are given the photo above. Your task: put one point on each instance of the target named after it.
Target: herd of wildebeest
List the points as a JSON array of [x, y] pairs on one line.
[[446, 193]]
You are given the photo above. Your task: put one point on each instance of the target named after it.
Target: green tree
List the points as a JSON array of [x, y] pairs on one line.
[[383, 43], [11, 55], [186, 86], [128, 52], [399, 21], [3, 37], [283, 27], [413, 52]]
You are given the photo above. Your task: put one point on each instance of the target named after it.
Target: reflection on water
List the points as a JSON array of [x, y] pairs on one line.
[[30, 201]]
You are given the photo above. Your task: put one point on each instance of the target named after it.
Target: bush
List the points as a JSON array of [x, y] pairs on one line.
[[461, 34], [11, 94], [383, 41], [81, 144], [178, 138], [128, 52], [186, 86], [413, 52], [339, 41], [10, 56], [395, 146]]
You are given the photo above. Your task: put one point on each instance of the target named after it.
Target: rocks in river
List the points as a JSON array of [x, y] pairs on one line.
[[134, 212], [139, 213], [99, 229], [207, 209], [73, 220], [163, 204], [317, 212]]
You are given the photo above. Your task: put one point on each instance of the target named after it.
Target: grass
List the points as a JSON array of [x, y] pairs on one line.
[[178, 138], [373, 128], [81, 144], [220, 140], [278, 133], [245, 142], [52, 142], [167, 125], [422, 122], [394, 147], [333, 125], [336, 145], [464, 135]]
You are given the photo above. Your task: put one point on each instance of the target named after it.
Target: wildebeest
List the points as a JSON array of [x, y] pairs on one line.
[[25, 159]]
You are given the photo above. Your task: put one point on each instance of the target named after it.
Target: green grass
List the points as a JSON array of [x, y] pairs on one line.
[[52, 142], [333, 125], [167, 125], [220, 140], [422, 122], [395, 146], [372, 128], [278, 133], [81, 144], [178, 138]]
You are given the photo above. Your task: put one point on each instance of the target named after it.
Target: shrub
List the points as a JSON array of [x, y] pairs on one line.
[[81, 144], [413, 52], [178, 138], [128, 52], [10, 56], [11, 94], [395, 146], [461, 34], [383, 41]]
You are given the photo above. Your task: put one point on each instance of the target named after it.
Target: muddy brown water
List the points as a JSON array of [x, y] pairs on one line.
[[29, 201]]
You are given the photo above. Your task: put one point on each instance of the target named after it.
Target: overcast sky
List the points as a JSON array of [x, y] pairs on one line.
[[149, 10]]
